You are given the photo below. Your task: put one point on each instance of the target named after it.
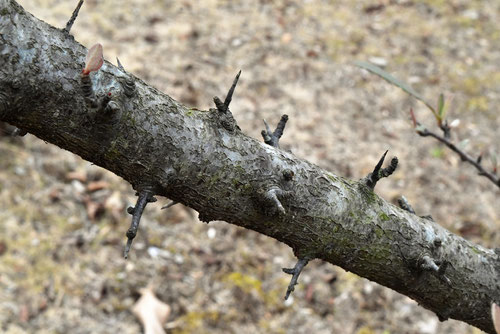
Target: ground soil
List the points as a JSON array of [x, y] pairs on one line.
[[63, 220]]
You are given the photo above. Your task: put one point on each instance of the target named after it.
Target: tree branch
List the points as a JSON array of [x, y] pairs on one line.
[[193, 158], [463, 156]]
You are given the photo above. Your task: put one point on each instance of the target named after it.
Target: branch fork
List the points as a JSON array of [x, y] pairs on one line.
[[272, 138], [379, 172], [295, 272]]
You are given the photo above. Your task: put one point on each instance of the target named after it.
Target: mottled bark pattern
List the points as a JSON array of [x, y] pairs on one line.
[[155, 143]]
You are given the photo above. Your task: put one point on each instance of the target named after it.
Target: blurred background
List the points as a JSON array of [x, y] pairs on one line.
[[64, 220]]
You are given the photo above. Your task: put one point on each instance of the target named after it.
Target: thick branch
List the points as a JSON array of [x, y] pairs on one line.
[[156, 143]]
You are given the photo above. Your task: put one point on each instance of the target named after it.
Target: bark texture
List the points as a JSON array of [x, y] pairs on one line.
[[201, 159]]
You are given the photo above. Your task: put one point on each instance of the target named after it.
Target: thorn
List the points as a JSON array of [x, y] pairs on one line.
[[144, 198], [272, 138], [379, 172], [169, 205], [73, 17], [272, 196], [229, 95], [295, 272], [120, 66], [223, 107], [405, 205]]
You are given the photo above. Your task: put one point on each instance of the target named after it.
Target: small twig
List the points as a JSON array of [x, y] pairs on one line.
[[73, 17], [379, 172], [463, 156], [405, 205], [295, 272], [272, 138], [145, 197], [169, 205]]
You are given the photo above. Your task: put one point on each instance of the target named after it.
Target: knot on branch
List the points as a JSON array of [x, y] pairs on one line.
[[272, 138], [127, 83], [379, 172], [295, 272], [271, 197], [437, 268], [405, 205]]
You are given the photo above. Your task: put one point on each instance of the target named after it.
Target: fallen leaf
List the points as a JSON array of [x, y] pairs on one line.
[[77, 175], [97, 185], [151, 311]]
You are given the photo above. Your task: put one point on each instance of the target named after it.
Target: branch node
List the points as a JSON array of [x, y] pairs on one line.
[[145, 197], [272, 138], [379, 172], [18, 132], [295, 272], [288, 175], [127, 83], [427, 263], [405, 205], [72, 19], [87, 90]]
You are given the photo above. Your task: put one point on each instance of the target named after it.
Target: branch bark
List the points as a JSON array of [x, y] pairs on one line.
[[202, 159]]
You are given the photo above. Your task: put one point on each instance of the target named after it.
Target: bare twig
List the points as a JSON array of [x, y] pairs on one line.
[[463, 156], [295, 272]]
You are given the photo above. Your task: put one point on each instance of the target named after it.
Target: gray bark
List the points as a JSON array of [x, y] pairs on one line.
[[201, 159]]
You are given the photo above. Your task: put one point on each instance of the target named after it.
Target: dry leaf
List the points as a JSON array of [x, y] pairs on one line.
[[495, 314], [151, 311], [94, 59], [97, 185]]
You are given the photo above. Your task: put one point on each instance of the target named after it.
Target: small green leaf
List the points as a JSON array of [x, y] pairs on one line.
[[441, 108], [392, 80]]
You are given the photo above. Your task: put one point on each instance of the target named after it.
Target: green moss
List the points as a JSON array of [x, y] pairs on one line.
[[4, 12], [384, 217]]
